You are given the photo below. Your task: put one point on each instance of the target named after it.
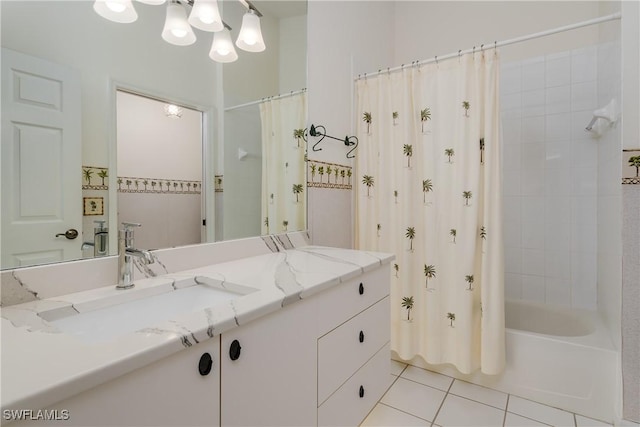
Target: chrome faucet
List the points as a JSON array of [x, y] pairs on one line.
[[126, 252], [100, 242]]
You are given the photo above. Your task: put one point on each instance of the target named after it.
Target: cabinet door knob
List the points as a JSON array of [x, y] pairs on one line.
[[234, 350], [361, 392], [361, 289], [361, 336], [205, 364]]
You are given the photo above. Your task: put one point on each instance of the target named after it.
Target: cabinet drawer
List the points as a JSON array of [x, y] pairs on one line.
[[344, 350], [345, 407], [342, 302]]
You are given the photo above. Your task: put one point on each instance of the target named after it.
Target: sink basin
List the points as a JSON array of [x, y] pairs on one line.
[[104, 324]]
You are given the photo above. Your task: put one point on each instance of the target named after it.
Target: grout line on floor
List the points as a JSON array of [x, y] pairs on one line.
[[379, 402], [504, 418], [403, 369], [442, 403], [405, 412], [477, 401], [529, 418], [426, 385]]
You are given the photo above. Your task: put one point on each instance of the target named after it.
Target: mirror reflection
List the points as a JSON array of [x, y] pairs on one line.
[[66, 66]]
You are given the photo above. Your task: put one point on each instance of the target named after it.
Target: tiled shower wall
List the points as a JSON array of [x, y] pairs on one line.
[[550, 178]]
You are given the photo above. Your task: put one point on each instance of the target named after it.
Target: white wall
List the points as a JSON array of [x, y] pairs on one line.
[[71, 33], [345, 38], [253, 75], [157, 148], [293, 54], [429, 28], [242, 178], [145, 133]]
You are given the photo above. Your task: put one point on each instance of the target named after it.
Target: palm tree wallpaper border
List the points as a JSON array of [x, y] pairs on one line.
[[631, 166], [95, 178], [329, 175], [127, 184]]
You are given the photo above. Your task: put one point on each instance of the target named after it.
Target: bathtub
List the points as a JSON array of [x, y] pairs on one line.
[[557, 356]]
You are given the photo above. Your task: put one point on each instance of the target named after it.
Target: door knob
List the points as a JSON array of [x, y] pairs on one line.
[[70, 234]]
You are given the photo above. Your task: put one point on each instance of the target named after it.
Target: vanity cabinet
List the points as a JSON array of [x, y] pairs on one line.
[[323, 361], [178, 390]]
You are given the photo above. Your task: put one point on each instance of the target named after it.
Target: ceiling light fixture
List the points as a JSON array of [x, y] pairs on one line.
[[250, 37], [222, 49], [204, 15], [120, 11], [176, 28], [173, 111]]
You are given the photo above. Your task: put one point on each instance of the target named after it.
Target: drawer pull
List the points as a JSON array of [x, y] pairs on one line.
[[205, 364], [361, 337], [361, 392], [234, 350], [361, 289]]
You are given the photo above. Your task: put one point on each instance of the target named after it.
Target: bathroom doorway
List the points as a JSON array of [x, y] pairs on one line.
[[160, 170]]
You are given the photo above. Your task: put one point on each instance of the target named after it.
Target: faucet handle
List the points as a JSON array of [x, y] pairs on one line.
[[128, 226]]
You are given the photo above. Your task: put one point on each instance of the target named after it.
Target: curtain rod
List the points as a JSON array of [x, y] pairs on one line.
[[269, 98], [497, 44]]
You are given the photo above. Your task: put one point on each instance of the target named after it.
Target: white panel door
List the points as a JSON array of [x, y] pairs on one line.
[[41, 161]]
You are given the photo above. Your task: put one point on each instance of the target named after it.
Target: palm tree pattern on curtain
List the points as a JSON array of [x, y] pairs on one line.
[[428, 193], [284, 165]]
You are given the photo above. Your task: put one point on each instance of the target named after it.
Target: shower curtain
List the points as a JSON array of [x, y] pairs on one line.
[[429, 191], [283, 164]]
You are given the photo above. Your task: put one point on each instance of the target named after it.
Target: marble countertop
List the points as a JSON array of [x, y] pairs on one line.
[[42, 365]]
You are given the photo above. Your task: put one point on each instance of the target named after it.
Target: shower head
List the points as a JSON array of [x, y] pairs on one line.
[[609, 113]]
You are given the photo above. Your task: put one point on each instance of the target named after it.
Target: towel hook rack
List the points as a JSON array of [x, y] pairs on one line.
[[319, 131]]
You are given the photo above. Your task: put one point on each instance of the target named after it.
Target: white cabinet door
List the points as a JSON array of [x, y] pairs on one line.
[[41, 161], [169, 392], [273, 381]]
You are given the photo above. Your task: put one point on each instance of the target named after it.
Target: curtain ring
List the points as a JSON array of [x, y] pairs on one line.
[[482, 48], [436, 59], [459, 54]]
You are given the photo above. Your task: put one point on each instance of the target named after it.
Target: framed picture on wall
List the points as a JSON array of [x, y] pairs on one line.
[[93, 206]]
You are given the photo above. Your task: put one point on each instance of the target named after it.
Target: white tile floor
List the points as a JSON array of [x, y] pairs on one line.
[[419, 397]]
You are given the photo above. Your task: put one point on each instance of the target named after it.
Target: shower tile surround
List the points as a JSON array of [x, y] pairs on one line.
[[551, 169], [283, 269]]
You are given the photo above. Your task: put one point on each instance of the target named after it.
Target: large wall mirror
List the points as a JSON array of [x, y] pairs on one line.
[[76, 86]]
